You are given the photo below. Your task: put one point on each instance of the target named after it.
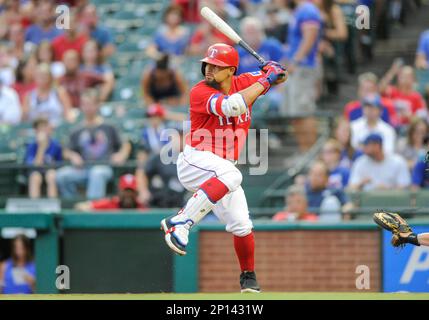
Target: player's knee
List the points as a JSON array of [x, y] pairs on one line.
[[240, 228], [232, 179]]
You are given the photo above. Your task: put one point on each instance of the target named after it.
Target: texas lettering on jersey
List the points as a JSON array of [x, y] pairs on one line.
[[211, 129]]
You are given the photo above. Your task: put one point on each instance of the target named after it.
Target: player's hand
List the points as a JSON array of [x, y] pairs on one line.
[[275, 74], [265, 66]]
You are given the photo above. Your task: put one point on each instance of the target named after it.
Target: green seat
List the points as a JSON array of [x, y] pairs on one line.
[[128, 47], [422, 199], [385, 199], [124, 15], [422, 77]]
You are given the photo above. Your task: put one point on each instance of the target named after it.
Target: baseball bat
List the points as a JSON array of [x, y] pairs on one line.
[[223, 27]]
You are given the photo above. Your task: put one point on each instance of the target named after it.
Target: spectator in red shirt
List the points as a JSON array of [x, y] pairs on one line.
[[76, 81], [191, 10], [71, 39], [407, 101], [296, 206], [368, 86], [127, 198], [205, 35], [24, 77]]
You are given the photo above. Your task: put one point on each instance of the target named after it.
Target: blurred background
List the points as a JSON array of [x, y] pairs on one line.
[[86, 91]]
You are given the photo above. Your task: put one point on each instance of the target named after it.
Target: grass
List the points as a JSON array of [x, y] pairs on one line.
[[227, 296]]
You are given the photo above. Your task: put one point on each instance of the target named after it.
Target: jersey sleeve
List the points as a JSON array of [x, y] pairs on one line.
[[207, 100], [247, 79]]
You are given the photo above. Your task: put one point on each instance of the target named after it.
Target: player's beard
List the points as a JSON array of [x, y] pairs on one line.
[[213, 84]]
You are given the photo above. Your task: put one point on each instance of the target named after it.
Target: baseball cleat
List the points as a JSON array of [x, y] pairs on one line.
[[248, 282], [176, 234]]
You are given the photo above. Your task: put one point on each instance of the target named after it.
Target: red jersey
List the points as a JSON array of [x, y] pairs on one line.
[[412, 103], [211, 129]]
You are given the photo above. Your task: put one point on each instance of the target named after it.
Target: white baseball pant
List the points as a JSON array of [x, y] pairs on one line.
[[194, 167]]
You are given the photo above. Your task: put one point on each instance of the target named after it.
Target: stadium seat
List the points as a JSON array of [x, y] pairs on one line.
[[385, 199], [422, 199], [422, 77]]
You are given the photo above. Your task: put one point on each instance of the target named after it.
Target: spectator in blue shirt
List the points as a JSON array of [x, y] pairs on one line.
[[422, 55], [331, 156], [45, 28], [172, 37], [304, 33], [253, 33], [422, 63], [343, 134], [18, 273], [99, 33], [420, 171], [42, 151], [317, 188]]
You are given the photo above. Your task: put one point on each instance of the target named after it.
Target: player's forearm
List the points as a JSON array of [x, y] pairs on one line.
[[250, 94], [423, 239]]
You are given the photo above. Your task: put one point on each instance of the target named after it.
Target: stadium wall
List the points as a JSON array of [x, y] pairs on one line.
[[124, 252], [293, 260]]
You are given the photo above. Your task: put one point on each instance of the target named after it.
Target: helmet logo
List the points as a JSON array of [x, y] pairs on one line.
[[213, 52]]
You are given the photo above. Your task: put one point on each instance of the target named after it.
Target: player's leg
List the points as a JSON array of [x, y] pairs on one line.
[[233, 210], [210, 178]]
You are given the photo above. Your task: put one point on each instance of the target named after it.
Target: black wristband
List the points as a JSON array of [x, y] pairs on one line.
[[412, 238]]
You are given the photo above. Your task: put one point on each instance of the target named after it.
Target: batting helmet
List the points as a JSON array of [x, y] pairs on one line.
[[221, 55]]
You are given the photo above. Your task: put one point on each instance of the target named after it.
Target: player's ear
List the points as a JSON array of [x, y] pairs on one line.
[[232, 70]]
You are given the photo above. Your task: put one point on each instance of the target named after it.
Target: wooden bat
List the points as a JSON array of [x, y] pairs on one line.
[[223, 27]]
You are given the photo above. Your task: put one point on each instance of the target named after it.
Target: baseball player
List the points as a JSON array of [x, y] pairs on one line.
[[401, 231], [220, 113]]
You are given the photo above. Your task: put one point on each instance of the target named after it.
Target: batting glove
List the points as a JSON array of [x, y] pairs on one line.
[[265, 66], [273, 73]]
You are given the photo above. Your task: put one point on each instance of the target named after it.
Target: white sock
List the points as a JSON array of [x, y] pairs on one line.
[[197, 207]]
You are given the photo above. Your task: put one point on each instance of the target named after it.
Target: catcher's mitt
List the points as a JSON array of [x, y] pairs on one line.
[[394, 223]]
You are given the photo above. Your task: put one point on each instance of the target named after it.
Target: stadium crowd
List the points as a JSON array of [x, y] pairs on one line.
[[52, 78]]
